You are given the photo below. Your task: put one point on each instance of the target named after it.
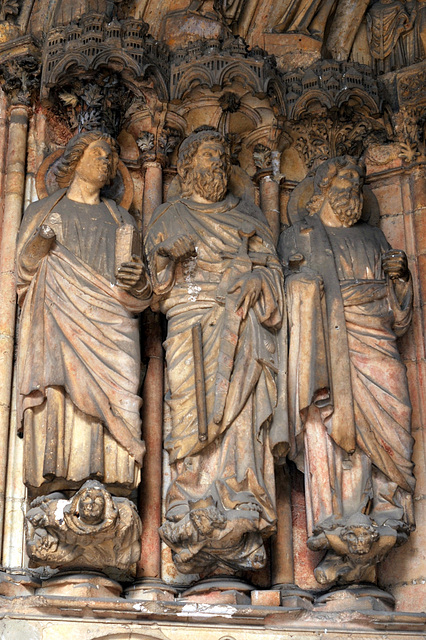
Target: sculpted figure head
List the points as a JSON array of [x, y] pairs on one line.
[[359, 534], [204, 166], [92, 505], [338, 183], [92, 157]]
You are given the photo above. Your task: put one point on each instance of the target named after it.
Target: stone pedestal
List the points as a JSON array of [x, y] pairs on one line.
[[90, 584], [152, 589], [18, 583], [219, 590]]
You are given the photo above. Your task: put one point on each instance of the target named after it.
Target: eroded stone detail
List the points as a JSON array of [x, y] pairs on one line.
[[215, 271], [91, 530], [350, 296]]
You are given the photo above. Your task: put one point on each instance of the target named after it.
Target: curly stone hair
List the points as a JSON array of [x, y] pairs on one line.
[[324, 176], [189, 148], [74, 151]]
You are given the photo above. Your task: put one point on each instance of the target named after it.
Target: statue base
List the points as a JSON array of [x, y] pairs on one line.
[[87, 584], [294, 597], [220, 590], [357, 597], [92, 531], [18, 583], [152, 589]]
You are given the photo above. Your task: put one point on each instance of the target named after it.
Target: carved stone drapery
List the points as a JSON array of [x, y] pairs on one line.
[[106, 68]]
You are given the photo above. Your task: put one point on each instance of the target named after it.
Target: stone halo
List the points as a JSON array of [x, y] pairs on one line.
[[304, 191], [121, 190]]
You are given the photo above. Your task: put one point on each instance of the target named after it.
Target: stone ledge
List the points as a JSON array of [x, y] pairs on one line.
[[117, 611]]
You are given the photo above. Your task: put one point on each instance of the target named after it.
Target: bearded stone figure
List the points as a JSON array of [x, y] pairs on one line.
[[219, 282], [78, 359], [349, 297]]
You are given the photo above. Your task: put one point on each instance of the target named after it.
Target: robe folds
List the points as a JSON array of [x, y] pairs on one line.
[[78, 357], [349, 406], [234, 466]]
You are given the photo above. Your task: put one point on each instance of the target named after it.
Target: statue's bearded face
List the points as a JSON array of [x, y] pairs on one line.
[[345, 197], [96, 165], [210, 171]]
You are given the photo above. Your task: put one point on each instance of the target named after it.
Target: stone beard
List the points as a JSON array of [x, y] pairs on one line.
[[220, 505], [349, 407], [211, 185]]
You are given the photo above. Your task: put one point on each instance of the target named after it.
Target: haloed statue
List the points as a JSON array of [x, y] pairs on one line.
[[78, 358], [349, 297]]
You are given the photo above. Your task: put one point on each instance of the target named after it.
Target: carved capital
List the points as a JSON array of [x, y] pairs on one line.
[[262, 156], [409, 124], [20, 79], [333, 133], [100, 105], [158, 147]]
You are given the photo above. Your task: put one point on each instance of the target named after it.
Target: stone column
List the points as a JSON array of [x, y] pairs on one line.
[[153, 191], [269, 188], [152, 412], [402, 202], [149, 585], [3, 146], [270, 201], [13, 200], [282, 558]]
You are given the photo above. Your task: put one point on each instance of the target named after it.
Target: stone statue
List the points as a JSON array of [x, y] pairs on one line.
[[91, 529], [308, 17], [78, 358], [387, 22], [349, 297], [202, 17], [217, 278]]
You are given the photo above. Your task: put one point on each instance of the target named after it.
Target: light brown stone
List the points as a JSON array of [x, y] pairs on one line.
[[217, 597], [266, 598]]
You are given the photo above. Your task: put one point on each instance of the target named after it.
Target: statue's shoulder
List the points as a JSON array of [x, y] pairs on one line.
[[373, 234], [44, 204], [126, 215], [161, 210]]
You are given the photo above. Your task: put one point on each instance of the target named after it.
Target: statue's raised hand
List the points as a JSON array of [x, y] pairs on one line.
[[395, 264], [130, 273], [250, 287], [178, 249]]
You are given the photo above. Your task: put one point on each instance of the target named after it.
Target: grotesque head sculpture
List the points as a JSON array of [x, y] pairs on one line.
[[92, 505], [359, 533]]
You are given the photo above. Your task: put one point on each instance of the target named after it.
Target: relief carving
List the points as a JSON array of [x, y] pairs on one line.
[[349, 406], [90, 530], [393, 35], [20, 78], [216, 273], [216, 276]]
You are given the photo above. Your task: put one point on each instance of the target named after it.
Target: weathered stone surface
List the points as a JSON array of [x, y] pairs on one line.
[[91, 530], [347, 77], [343, 428], [219, 506]]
